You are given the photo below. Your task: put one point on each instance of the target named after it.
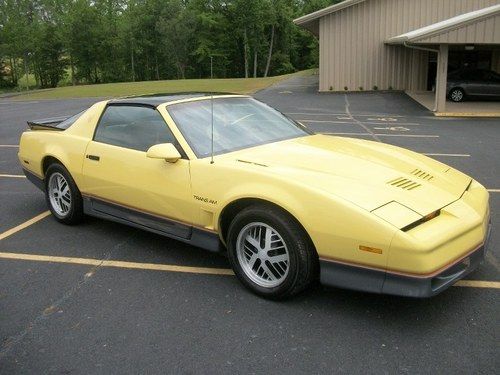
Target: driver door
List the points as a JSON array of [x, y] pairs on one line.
[[119, 180]]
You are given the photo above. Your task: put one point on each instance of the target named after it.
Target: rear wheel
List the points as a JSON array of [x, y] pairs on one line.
[[62, 195], [270, 252], [457, 94]]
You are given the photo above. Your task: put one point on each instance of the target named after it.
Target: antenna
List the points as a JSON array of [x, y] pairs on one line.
[[212, 123]]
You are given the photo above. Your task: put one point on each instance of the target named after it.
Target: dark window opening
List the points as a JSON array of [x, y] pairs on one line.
[[133, 127]]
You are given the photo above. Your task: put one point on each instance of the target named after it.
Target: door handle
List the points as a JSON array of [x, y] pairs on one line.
[[93, 157]]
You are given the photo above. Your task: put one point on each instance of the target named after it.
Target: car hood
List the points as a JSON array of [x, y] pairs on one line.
[[368, 174]]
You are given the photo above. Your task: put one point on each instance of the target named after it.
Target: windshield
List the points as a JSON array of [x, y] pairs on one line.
[[238, 123]]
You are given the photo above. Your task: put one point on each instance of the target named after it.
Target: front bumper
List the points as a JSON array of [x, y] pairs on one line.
[[378, 281]]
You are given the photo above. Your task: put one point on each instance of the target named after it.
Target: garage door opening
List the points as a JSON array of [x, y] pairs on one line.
[[463, 58]]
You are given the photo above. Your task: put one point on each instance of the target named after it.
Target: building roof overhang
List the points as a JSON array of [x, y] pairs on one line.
[[420, 36], [311, 21]]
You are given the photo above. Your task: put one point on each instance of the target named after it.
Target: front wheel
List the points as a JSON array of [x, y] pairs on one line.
[[62, 195], [270, 252]]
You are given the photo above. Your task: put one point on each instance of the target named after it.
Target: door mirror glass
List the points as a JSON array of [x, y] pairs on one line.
[[166, 151]]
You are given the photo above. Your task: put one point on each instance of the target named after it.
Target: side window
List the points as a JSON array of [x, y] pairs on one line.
[[491, 77], [133, 127]]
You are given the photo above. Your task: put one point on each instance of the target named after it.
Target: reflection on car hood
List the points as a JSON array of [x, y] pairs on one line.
[[368, 174]]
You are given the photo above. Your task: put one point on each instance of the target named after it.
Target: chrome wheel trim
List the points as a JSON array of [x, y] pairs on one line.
[[262, 254], [59, 194], [457, 95]]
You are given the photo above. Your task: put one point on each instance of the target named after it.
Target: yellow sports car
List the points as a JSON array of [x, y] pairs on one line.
[[229, 174]]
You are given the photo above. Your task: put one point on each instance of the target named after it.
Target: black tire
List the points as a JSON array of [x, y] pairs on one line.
[[457, 95], [303, 260], [75, 213]]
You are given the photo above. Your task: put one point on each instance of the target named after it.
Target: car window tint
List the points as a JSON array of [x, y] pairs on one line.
[[490, 76], [469, 75], [483, 75], [70, 120], [133, 127], [478, 75]]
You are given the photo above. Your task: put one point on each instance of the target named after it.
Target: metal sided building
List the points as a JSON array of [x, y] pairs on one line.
[[403, 44]]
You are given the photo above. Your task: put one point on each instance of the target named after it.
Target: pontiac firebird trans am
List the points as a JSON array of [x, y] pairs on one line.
[[228, 173]]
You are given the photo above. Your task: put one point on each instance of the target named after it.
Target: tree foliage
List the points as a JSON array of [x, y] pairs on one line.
[[94, 41]]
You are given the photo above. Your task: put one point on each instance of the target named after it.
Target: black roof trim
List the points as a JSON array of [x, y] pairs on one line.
[[158, 99]]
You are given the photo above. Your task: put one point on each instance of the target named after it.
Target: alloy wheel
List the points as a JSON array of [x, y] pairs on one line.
[[457, 95], [262, 254], [59, 194]]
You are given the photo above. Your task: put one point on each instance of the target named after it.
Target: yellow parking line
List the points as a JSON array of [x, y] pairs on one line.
[[24, 225], [175, 268], [13, 175], [452, 155], [479, 284], [117, 264]]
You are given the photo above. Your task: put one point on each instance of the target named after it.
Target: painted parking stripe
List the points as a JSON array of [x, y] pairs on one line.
[[24, 225], [10, 102], [354, 122], [174, 268], [337, 114], [478, 284], [117, 264], [391, 123], [388, 135], [379, 115], [329, 122], [9, 146], [494, 190], [451, 155], [12, 175]]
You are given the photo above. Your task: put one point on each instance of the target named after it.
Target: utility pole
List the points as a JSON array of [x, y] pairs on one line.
[[211, 67], [26, 70], [132, 62]]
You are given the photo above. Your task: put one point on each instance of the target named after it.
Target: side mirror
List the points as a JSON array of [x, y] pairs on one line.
[[166, 151]]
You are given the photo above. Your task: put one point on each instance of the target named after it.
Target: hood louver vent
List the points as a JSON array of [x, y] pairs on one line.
[[421, 174], [404, 183]]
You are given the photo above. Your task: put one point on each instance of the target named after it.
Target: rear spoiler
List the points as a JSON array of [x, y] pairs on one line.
[[47, 123]]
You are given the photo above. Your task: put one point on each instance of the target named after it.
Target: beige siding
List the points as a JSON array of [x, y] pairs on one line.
[[486, 31], [352, 49]]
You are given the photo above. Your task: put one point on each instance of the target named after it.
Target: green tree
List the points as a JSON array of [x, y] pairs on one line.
[[123, 40], [48, 55]]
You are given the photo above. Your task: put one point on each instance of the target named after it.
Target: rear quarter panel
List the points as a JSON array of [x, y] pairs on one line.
[[67, 146], [34, 147]]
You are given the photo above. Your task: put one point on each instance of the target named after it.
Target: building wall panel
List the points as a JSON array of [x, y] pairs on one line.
[[352, 49]]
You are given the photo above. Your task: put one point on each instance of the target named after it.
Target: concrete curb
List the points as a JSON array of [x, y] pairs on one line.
[[467, 114]]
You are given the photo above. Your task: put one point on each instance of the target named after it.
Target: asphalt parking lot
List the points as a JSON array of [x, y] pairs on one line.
[[87, 311]]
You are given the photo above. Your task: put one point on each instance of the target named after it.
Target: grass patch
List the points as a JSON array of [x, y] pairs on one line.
[[233, 85]]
